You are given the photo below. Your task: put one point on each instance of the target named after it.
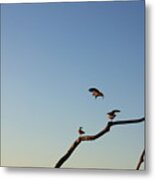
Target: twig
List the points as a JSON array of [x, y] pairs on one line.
[[141, 160], [93, 137]]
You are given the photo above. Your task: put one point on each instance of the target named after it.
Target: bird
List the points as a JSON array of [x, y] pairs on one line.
[[96, 93], [111, 115], [80, 131]]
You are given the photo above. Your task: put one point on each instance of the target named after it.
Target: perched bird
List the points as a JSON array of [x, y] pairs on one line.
[[80, 131], [95, 92], [111, 115]]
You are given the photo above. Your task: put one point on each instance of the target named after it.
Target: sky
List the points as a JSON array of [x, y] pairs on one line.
[[51, 54]]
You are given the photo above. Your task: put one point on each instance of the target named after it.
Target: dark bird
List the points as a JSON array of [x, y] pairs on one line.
[[80, 131], [96, 93], [111, 115]]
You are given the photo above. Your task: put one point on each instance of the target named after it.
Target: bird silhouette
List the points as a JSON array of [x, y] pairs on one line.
[[96, 93], [80, 131], [111, 115]]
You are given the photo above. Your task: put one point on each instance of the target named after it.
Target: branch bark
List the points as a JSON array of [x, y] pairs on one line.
[[141, 160], [94, 137]]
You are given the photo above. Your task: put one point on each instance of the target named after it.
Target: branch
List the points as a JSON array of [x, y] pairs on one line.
[[141, 160], [93, 137]]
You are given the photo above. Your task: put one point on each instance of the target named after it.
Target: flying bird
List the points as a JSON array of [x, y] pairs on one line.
[[111, 115], [96, 93], [80, 131]]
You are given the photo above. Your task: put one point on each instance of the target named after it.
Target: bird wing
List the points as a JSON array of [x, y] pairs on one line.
[[83, 132], [101, 94], [116, 110], [94, 89]]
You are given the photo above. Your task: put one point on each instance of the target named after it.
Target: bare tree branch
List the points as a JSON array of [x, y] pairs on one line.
[[141, 160], [93, 137]]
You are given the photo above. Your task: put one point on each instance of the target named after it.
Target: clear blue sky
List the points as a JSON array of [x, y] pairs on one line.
[[51, 54]]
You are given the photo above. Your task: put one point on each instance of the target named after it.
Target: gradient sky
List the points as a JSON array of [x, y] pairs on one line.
[[51, 54]]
